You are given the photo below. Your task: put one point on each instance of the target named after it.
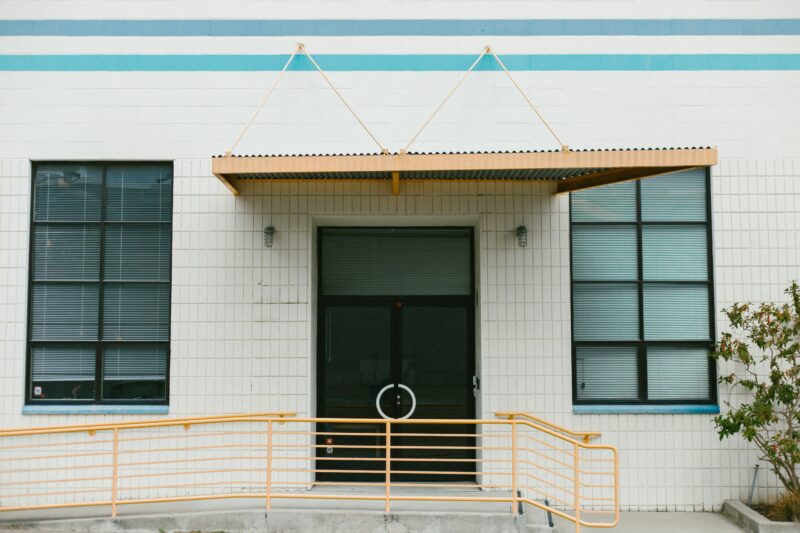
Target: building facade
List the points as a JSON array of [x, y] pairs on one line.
[[133, 284]]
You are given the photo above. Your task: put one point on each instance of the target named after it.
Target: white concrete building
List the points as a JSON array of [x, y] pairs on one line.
[[134, 284]]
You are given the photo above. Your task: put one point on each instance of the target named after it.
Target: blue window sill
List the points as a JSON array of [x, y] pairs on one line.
[[95, 410], [646, 409]]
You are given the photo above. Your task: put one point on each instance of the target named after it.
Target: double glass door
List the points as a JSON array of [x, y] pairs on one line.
[[402, 356], [397, 359]]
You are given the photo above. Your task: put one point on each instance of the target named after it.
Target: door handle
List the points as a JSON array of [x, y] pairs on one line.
[[400, 386]]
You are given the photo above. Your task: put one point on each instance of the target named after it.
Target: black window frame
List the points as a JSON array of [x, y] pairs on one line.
[[641, 344], [99, 343]]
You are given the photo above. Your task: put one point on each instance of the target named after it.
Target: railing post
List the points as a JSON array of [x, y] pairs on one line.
[[269, 465], [576, 469], [514, 502], [114, 477], [388, 455]]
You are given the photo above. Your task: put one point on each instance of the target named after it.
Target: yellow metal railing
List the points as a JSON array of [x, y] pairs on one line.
[[585, 436], [515, 459]]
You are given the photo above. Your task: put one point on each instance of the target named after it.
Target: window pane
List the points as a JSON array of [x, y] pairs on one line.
[[67, 192], [606, 373], [677, 373], [604, 253], [680, 196], [610, 203], [66, 252], [62, 372], [675, 253], [137, 252], [606, 311], [139, 193], [64, 311], [673, 311], [136, 311], [134, 372], [396, 261]]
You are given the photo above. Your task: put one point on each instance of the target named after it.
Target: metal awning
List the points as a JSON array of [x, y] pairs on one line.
[[572, 170]]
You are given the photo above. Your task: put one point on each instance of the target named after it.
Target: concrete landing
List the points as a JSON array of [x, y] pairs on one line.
[[666, 522]]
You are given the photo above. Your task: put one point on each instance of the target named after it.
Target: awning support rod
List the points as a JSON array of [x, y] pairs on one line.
[[264, 100], [383, 149], [487, 50], [298, 49], [446, 98], [564, 147]]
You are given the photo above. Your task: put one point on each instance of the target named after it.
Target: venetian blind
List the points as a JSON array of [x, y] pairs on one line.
[[675, 252], [135, 362], [677, 372], [63, 363], [606, 372], [601, 252], [654, 259], [80, 211], [605, 311], [138, 242]]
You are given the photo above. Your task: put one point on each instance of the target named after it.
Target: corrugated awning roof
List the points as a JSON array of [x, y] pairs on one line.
[[572, 170]]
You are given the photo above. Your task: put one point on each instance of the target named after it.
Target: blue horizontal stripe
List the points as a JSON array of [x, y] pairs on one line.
[[419, 27], [416, 63], [645, 409]]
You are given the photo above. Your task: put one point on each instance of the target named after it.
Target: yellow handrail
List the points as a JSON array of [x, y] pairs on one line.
[[261, 455], [157, 422], [585, 436]]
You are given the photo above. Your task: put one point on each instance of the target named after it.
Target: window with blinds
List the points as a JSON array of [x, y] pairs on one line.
[[101, 242], [642, 291]]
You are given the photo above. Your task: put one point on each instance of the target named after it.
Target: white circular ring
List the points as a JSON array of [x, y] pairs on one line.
[[401, 386]]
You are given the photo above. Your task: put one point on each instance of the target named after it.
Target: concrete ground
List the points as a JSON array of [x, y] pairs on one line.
[[342, 516], [663, 523], [629, 523]]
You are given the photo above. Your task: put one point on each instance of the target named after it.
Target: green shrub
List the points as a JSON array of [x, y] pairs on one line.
[[765, 347]]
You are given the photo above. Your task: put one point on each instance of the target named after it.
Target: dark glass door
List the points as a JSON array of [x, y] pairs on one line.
[[410, 358], [396, 341], [435, 362], [355, 364]]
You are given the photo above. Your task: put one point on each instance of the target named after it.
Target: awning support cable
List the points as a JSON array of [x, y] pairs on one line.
[[383, 149], [298, 49], [446, 98], [487, 50], [564, 147], [264, 100]]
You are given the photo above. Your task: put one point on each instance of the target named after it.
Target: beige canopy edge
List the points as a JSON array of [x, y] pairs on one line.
[[571, 170]]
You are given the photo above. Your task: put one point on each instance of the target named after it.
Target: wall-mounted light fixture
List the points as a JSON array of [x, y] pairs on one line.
[[522, 236], [269, 236]]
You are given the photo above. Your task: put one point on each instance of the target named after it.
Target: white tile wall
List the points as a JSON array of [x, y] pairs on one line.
[[243, 330], [15, 185]]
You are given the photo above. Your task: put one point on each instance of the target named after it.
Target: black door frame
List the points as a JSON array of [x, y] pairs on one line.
[[467, 301]]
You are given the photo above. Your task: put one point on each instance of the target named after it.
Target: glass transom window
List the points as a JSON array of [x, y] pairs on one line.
[[642, 292]]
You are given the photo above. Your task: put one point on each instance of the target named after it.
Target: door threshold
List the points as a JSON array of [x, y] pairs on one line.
[[399, 487]]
